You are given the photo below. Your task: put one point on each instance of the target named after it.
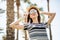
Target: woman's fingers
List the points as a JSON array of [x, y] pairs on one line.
[[25, 15]]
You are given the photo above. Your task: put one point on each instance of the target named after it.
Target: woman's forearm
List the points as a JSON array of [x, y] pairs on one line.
[[50, 15], [51, 18], [17, 26]]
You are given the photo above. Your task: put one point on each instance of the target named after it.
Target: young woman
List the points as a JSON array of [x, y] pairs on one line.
[[33, 17], [37, 32]]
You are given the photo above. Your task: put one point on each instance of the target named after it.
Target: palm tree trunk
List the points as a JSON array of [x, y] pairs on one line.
[[26, 35], [17, 4], [17, 18], [48, 5], [50, 24], [10, 19]]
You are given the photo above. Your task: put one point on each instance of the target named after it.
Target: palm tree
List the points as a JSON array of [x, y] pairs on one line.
[[50, 24], [17, 4], [10, 19]]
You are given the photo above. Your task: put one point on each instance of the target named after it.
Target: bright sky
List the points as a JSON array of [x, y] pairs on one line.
[[54, 7]]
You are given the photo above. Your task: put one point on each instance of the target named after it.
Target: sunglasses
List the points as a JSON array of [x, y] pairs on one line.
[[33, 11]]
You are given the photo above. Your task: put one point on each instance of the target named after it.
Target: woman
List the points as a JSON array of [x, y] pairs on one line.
[[33, 16]]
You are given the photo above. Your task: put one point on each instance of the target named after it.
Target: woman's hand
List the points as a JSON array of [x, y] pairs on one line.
[[25, 17]]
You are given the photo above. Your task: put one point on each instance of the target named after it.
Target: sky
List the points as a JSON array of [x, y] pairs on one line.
[[54, 7]]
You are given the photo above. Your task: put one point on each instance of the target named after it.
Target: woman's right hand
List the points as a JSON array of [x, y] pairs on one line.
[[25, 17]]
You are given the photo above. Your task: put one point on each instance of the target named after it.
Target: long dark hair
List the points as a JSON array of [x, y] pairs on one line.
[[30, 19]]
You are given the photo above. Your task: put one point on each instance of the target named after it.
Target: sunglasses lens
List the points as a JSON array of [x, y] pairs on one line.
[[33, 11]]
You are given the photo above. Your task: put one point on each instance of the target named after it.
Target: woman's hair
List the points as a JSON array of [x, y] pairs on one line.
[[30, 19]]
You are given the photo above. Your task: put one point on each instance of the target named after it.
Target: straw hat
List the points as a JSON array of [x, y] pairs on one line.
[[31, 7]]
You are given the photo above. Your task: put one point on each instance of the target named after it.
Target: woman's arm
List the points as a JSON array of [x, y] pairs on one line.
[[16, 25], [50, 15]]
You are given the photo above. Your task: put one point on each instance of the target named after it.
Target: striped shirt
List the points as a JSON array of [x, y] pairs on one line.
[[37, 31]]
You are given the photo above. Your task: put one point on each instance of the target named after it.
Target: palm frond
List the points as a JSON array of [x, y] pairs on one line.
[[41, 9], [2, 11]]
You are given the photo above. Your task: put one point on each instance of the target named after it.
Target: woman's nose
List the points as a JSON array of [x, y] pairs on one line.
[[33, 13]]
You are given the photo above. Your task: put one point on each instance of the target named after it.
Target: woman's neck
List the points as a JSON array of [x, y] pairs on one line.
[[35, 20]]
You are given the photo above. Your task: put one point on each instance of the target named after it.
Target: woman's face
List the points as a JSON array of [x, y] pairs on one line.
[[33, 13]]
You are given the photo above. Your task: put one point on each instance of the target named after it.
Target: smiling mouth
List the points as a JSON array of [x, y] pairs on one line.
[[33, 14]]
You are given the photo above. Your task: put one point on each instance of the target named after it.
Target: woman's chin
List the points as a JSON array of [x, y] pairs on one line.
[[33, 17]]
